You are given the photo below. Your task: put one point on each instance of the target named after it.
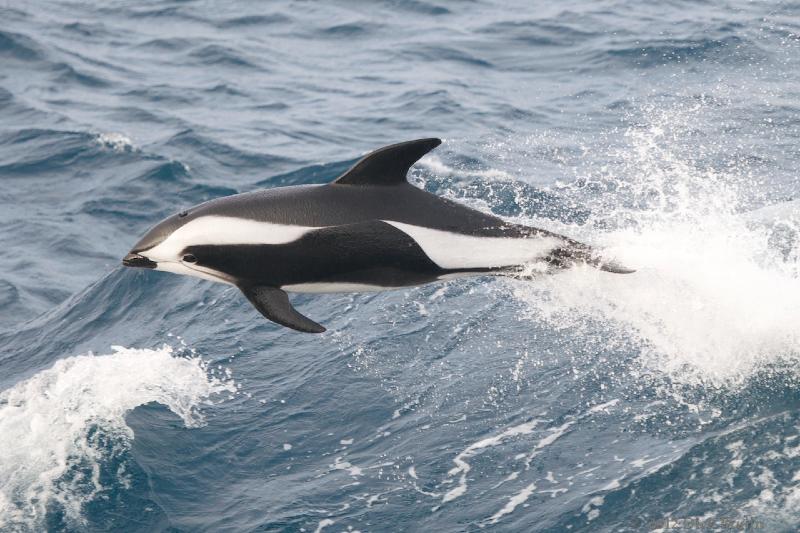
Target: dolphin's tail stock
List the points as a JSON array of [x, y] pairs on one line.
[[615, 268], [577, 253], [570, 254], [574, 253]]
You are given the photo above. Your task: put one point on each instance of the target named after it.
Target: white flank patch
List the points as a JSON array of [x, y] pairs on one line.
[[453, 250]]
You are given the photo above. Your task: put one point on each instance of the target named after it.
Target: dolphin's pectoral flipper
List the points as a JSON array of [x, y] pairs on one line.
[[388, 165], [274, 304]]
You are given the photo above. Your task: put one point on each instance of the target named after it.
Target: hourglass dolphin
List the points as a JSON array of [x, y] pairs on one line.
[[368, 230]]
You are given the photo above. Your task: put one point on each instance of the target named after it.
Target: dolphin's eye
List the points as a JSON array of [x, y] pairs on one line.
[[182, 214], [189, 258]]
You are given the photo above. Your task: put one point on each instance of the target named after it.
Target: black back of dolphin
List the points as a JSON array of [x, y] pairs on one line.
[[375, 188]]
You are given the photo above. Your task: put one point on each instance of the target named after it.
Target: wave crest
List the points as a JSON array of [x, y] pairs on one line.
[[60, 427]]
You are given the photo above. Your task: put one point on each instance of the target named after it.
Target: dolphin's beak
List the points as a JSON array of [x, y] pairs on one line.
[[136, 260]]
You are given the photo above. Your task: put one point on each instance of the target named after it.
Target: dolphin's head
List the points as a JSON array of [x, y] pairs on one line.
[[170, 246], [138, 256]]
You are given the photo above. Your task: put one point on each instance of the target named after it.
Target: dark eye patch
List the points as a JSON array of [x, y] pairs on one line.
[[189, 258]]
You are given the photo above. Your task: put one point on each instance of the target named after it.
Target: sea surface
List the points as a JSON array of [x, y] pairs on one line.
[[665, 133]]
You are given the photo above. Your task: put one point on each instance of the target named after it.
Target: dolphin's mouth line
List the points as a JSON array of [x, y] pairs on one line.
[[207, 272], [138, 261]]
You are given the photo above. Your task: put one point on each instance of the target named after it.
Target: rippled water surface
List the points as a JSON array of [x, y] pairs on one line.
[[666, 133]]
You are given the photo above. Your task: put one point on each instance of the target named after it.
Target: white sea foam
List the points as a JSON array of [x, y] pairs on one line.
[[463, 467], [71, 417], [353, 470], [555, 434], [513, 502], [440, 168], [115, 141], [716, 294], [325, 522]]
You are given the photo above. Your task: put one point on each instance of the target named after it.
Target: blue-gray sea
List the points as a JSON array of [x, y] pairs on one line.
[[665, 133]]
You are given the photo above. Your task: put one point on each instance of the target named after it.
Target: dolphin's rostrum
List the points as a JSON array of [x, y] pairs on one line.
[[369, 230]]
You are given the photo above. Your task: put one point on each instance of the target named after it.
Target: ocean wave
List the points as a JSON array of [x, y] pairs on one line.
[[20, 46], [222, 56], [62, 428], [164, 94], [46, 151], [167, 43], [166, 172], [223, 154], [94, 30], [8, 294], [115, 141], [730, 48], [254, 20], [541, 33], [439, 53], [324, 173], [748, 471], [66, 74], [418, 6], [350, 30]]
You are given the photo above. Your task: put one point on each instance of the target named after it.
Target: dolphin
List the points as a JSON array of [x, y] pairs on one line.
[[368, 230]]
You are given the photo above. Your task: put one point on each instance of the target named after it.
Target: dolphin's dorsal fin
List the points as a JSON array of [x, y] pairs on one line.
[[388, 165], [274, 304]]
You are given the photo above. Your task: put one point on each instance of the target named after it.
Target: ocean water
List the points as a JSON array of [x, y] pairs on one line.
[[666, 133]]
